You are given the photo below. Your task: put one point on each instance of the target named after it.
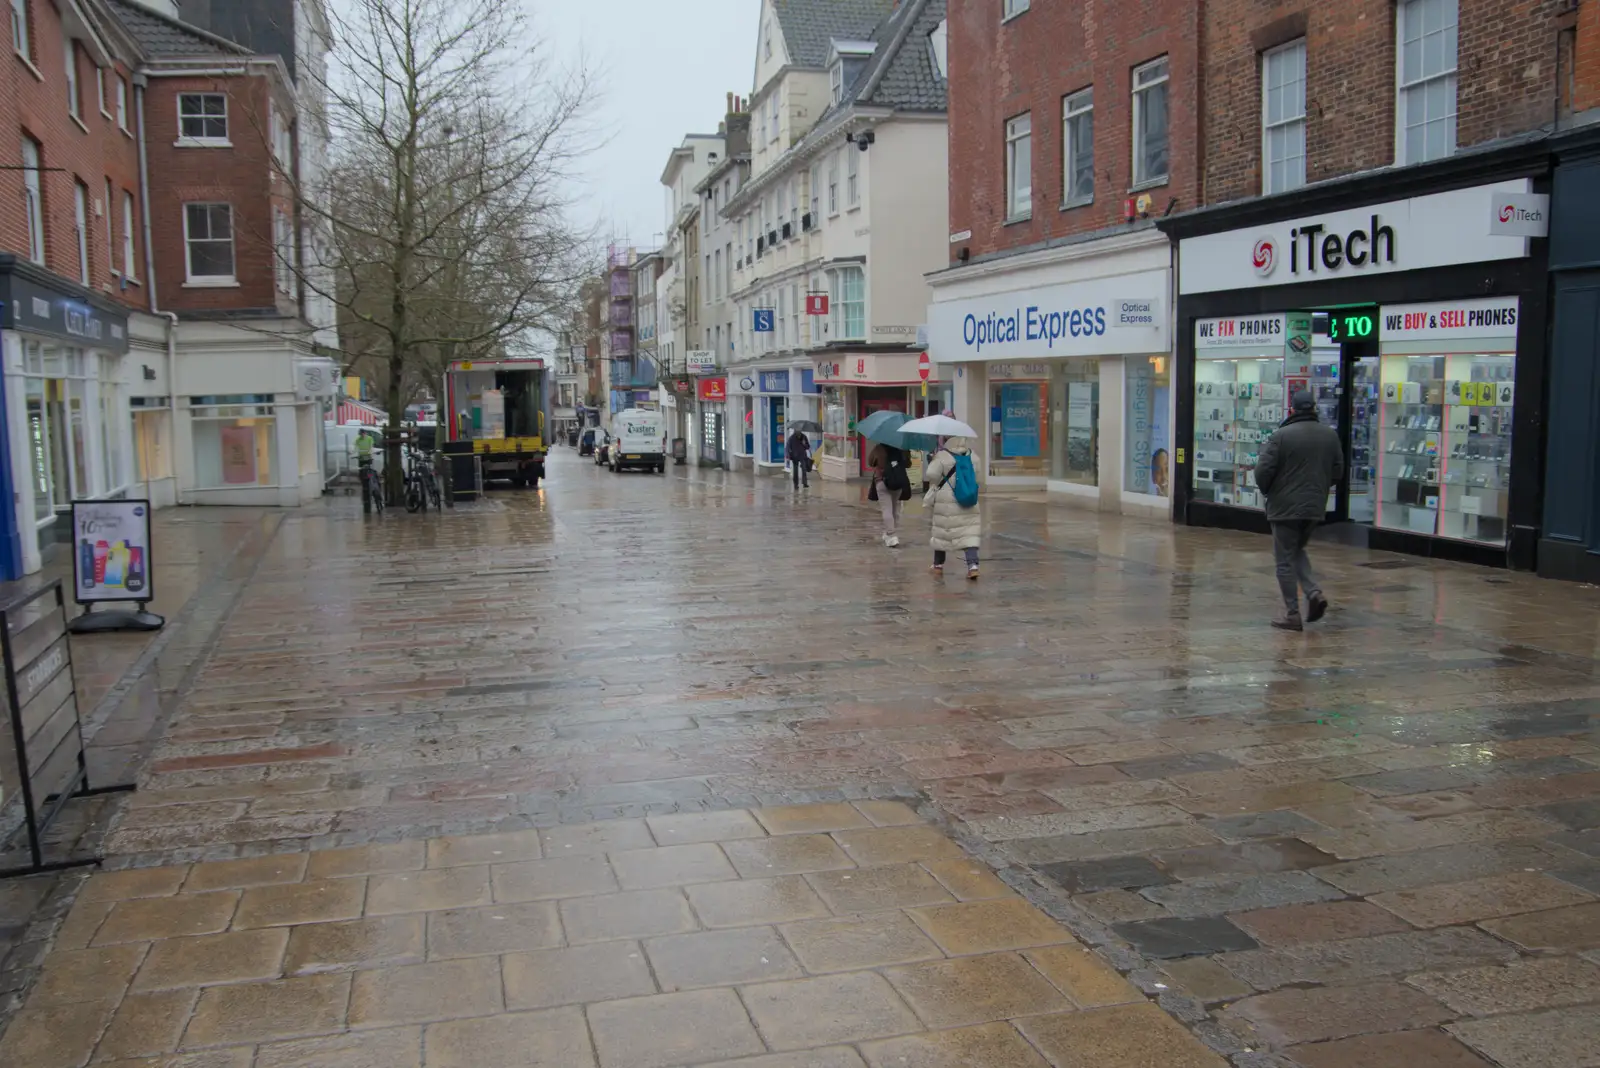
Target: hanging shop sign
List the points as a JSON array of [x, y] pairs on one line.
[[699, 361], [712, 389], [1451, 319], [1437, 230]]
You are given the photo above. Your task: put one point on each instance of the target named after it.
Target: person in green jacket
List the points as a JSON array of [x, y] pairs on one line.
[[364, 449]]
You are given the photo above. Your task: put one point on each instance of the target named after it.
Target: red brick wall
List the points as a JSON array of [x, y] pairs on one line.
[[242, 175], [999, 70], [1506, 81], [1585, 58], [33, 102]]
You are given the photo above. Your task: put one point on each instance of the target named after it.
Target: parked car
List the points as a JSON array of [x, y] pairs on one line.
[[591, 441]]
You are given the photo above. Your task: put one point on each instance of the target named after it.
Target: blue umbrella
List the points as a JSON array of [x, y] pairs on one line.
[[885, 427]]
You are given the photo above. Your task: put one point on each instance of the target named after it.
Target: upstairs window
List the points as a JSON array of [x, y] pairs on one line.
[[70, 59], [1426, 111], [1077, 147], [203, 118], [128, 270], [33, 199], [80, 213], [833, 184], [19, 28], [1150, 123], [122, 104], [939, 48], [852, 177], [1283, 118], [208, 235], [1019, 167]]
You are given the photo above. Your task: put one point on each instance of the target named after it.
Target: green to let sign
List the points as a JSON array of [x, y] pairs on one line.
[[1352, 324]]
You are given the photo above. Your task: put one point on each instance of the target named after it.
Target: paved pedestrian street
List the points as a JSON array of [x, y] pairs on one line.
[[657, 772]]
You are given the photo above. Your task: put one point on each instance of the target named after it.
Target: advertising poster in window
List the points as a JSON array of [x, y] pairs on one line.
[[1019, 419], [238, 455], [111, 551]]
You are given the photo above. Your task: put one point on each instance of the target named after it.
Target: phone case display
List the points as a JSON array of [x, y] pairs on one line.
[[1365, 391], [1445, 428], [1239, 402]]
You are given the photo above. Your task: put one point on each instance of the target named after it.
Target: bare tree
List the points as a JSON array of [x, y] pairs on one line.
[[452, 136]]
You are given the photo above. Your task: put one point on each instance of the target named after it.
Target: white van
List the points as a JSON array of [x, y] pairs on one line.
[[640, 441]]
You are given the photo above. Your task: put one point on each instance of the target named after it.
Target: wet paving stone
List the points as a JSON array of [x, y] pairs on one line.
[[1106, 708], [1166, 938], [1115, 873]]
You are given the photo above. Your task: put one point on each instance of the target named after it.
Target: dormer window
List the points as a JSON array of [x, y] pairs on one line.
[[939, 45], [846, 60]]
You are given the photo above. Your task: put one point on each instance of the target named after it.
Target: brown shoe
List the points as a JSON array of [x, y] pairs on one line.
[[1289, 621], [1316, 608]]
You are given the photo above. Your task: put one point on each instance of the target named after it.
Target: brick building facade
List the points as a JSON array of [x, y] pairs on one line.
[[1375, 185], [1031, 64], [119, 112]]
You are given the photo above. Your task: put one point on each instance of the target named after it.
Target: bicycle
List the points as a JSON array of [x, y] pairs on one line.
[[371, 489], [421, 486]]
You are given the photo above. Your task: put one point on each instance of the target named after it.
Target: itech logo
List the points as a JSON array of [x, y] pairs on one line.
[[1264, 257]]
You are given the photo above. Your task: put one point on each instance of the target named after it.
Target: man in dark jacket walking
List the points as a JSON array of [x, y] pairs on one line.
[[798, 452], [1300, 462]]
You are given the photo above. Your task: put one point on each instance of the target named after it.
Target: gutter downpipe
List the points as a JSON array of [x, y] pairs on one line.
[[139, 83]]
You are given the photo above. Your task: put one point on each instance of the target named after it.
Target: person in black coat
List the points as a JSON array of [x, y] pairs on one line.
[[1299, 464], [798, 452]]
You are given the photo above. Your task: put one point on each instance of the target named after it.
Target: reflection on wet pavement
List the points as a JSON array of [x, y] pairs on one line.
[[1375, 843]]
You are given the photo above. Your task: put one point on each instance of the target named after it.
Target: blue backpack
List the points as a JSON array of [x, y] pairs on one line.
[[963, 480]]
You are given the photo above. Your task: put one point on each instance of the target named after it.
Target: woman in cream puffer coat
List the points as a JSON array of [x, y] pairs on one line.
[[954, 527]]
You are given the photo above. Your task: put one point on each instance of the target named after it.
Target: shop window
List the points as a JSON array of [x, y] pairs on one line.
[[1444, 444], [1239, 402], [40, 454], [1426, 111], [1075, 421], [838, 427], [1019, 435], [152, 435], [235, 447], [1283, 118], [1147, 455], [1150, 123], [1019, 167]]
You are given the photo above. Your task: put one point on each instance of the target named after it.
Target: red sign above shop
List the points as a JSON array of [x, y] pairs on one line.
[[712, 389], [816, 304]]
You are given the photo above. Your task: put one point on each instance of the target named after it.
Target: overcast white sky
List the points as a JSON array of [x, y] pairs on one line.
[[666, 67]]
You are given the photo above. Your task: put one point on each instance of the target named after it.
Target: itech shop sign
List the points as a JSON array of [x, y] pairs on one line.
[[1438, 230], [1103, 317]]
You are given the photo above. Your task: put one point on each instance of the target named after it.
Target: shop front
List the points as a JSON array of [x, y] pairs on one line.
[[712, 394], [1418, 327], [853, 386], [66, 396], [1062, 359]]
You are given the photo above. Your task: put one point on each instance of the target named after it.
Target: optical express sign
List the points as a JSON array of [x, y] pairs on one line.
[[1486, 222], [1103, 317]]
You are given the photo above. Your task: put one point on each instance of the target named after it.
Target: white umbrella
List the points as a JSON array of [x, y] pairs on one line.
[[939, 426]]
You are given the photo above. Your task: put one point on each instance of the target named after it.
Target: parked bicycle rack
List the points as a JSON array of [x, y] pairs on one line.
[[43, 759]]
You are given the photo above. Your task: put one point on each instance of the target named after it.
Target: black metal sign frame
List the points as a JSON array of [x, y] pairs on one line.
[[44, 675]]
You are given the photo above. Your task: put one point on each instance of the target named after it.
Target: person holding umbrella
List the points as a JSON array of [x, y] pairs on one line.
[[798, 452], [891, 481], [952, 492]]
